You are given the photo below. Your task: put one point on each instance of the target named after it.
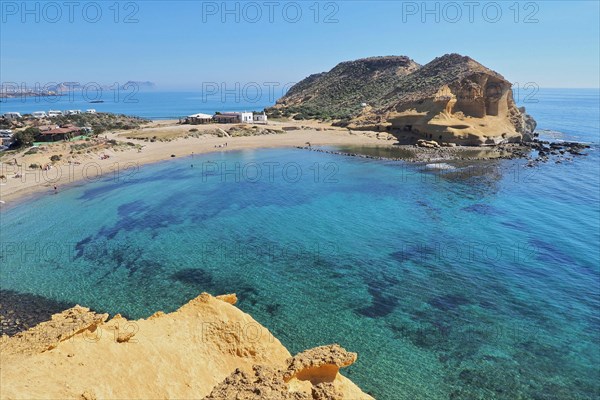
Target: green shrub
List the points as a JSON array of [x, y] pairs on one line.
[[98, 129], [25, 137]]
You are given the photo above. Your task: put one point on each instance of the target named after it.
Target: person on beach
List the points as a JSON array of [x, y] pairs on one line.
[[55, 189]]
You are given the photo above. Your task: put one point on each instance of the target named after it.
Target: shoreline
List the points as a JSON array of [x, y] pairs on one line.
[[90, 167], [162, 140]]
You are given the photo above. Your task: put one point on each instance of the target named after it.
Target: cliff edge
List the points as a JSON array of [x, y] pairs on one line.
[[206, 349]]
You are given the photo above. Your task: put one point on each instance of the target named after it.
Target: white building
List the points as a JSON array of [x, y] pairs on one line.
[[260, 118], [12, 115], [55, 113], [39, 114], [6, 137], [234, 116], [90, 111], [246, 117], [199, 118], [72, 112]]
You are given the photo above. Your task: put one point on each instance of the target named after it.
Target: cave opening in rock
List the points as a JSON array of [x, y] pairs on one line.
[[493, 95]]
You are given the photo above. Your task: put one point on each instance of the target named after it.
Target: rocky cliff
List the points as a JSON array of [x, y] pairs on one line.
[[452, 99], [206, 349]]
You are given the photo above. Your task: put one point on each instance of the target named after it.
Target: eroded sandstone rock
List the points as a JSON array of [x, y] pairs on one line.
[[317, 368], [263, 383], [320, 364], [48, 335], [228, 298], [186, 354]]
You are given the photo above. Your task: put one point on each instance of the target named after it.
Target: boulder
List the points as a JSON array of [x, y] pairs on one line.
[[432, 144]]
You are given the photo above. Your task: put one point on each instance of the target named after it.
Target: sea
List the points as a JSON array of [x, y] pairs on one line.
[[150, 104], [477, 280]]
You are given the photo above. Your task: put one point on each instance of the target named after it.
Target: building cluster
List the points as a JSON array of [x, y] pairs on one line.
[[233, 117], [49, 114], [47, 133]]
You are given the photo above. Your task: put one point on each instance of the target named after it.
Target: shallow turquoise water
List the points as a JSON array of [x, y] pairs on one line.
[[477, 283]]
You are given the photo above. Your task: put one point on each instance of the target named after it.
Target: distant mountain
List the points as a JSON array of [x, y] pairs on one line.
[[74, 86], [139, 84], [451, 99]]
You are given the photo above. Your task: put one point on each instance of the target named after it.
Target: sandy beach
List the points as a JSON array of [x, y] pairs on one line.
[[102, 158]]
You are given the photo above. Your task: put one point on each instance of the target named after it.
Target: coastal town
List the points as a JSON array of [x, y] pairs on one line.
[[55, 125]]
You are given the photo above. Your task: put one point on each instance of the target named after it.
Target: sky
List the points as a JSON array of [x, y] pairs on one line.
[[189, 44]]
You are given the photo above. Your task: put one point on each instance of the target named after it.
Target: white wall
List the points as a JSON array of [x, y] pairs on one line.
[[246, 117], [260, 118]]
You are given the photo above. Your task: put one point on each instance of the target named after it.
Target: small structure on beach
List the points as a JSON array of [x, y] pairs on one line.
[[231, 117], [261, 118], [234, 117], [59, 133], [199, 118]]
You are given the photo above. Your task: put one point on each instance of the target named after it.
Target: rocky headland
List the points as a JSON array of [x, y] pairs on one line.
[[452, 99], [206, 349]]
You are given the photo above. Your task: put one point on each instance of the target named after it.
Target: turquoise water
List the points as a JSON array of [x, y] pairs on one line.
[[481, 282]]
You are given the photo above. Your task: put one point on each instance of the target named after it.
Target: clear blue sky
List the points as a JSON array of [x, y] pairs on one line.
[[551, 43]]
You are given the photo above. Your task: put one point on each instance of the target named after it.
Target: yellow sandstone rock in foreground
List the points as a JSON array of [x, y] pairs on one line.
[[207, 348]]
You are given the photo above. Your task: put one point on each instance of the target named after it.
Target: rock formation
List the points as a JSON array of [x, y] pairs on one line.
[[206, 349], [312, 374], [452, 99]]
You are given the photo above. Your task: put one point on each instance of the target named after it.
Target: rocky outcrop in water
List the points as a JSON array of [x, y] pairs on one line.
[[452, 99]]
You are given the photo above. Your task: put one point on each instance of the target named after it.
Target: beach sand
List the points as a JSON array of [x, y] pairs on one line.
[[20, 181]]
